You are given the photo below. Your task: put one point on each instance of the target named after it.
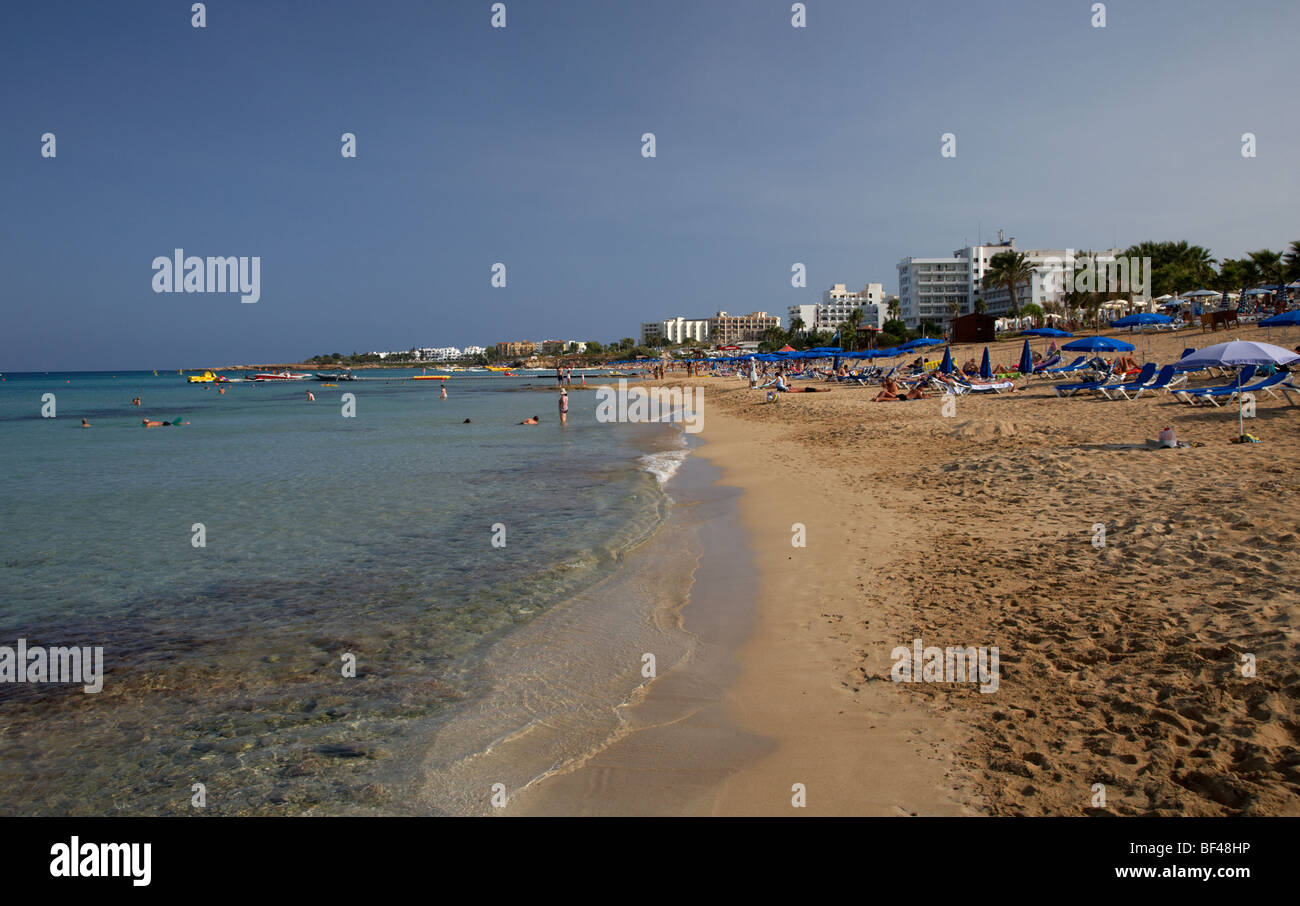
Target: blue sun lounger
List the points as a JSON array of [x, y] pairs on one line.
[[1077, 365], [1140, 380], [1086, 386], [1213, 394]]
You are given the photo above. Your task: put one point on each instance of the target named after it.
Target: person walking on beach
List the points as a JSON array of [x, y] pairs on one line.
[[753, 374], [559, 376], [564, 407], [568, 377]]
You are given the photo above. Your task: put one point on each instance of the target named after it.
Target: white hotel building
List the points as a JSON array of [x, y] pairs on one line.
[[927, 287], [675, 330], [838, 303]]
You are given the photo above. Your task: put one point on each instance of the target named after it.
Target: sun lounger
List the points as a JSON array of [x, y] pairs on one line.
[[1041, 368], [1167, 379], [1122, 390], [969, 386], [1214, 394], [1244, 377], [1085, 387], [1077, 365]]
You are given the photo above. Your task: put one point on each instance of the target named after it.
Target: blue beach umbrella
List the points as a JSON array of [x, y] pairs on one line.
[[1026, 360], [1282, 320], [1236, 353], [986, 370], [1098, 344], [1045, 332], [1141, 319], [946, 366]]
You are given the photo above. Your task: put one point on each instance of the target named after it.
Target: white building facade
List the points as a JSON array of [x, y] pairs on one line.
[[838, 303], [675, 330], [929, 288]]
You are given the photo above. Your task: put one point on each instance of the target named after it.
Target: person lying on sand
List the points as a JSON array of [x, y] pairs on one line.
[[1126, 364], [892, 391]]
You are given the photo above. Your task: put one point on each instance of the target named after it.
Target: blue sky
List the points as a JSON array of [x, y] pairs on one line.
[[522, 145]]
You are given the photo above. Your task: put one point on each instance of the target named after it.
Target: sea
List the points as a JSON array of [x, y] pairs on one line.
[[328, 606]]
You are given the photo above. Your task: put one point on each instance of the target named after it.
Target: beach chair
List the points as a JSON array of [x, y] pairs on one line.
[[1167, 379], [969, 386], [1085, 387], [1214, 394], [1077, 365], [1207, 394], [1144, 377], [1045, 364]]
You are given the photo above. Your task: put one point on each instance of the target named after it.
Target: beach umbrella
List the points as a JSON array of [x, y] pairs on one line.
[[1287, 317], [1200, 293], [1236, 353], [1140, 321], [946, 366], [1045, 332], [986, 370], [1026, 360], [925, 341], [1098, 344], [1284, 319]]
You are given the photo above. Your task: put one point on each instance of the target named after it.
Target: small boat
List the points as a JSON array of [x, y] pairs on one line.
[[206, 377], [430, 377], [278, 376], [334, 376]]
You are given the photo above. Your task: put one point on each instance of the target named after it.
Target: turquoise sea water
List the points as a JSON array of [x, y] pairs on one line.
[[325, 536]]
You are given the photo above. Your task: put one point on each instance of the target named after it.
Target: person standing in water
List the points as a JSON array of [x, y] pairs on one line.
[[311, 396], [443, 395], [564, 407]]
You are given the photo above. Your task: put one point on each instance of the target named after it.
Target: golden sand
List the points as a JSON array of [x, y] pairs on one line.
[[1121, 665]]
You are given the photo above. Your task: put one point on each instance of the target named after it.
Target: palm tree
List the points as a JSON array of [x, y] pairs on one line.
[[1293, 261], [1269, 264], [849, 329], [1009, 269], [980, 305], [895, 308]]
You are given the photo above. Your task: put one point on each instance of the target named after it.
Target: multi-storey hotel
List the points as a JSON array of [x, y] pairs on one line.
[[929, 288], [675, 330], [838, 303], [725, 329]]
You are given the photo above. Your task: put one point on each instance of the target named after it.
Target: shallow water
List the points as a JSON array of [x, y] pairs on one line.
[[326, 536]]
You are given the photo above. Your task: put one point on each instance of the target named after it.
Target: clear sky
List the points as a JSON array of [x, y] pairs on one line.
[[522, 145]]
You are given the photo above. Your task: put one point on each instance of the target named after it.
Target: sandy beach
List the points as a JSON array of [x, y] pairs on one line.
[[1121, 664]]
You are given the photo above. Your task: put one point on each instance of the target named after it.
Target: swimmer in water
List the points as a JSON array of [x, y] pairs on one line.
[[531, 421], [85, 424], [311, 396], [466, 422], [155, 424], [444, 391], [564, 407]]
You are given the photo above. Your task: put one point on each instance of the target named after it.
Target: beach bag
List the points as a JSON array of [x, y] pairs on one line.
[[1166, 438]]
